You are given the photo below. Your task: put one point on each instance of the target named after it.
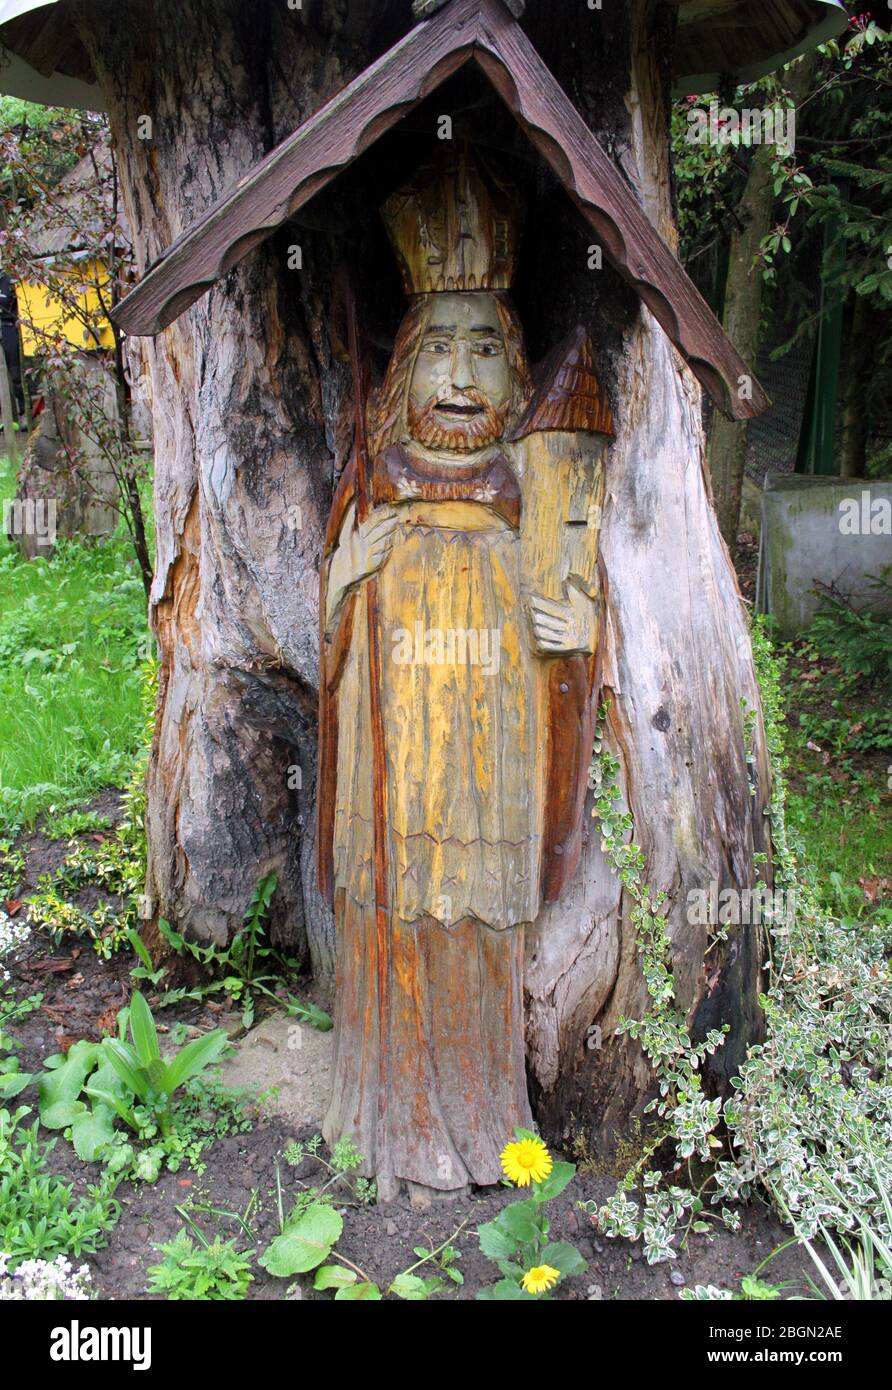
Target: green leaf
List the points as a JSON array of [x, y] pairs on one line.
[[496, 1243], [62, 1114], [177, 941], [194, 1057], [411, 1288], [505, 1291], [334, 1277], [113, 1101], [143, 1031], [139, 947], [126, 1064], [563, 1257], [107, 1080], [309, 1013], [64, 1083], [519, 1220], [13, 1083], [304, 1245], [156, 1071], [560, 1175], [359, 1293], [91, 1131]]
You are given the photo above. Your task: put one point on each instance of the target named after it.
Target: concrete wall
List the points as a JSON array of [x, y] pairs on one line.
[[830, 531]]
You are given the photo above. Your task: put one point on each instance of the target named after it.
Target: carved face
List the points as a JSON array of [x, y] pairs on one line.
[[460, 392]]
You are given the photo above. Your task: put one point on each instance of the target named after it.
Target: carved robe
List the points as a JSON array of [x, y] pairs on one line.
[[487, 744]]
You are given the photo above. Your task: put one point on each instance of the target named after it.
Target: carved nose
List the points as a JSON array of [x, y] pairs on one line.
[[462, 367]]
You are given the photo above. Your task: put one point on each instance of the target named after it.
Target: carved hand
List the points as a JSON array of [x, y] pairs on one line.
[[361, 551], [563, 627]]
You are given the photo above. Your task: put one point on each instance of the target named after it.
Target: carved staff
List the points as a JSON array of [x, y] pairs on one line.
[[359, 367]]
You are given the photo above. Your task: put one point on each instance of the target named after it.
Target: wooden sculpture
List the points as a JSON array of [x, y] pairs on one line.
[[459, 610]]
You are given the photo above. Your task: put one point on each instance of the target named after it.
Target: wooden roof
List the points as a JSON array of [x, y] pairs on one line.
[[46, 61], [482, 31], [747, 38], [67, 224]]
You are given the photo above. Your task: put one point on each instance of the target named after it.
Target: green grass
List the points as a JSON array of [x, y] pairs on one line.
[[73, 636], [838, 685]]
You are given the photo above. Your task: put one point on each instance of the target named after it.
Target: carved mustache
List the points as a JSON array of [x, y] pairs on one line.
[[475, 420], [469, 402]]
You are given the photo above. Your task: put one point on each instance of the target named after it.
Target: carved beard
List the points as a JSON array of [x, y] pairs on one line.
[[463, 437]]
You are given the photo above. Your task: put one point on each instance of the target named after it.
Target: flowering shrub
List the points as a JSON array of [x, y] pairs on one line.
[[34, 1280]]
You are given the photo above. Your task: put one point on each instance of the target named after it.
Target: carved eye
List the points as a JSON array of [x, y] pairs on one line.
[[489, 349], [437, 345]]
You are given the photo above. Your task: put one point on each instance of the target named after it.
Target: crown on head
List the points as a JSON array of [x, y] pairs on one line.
[[455, 224]]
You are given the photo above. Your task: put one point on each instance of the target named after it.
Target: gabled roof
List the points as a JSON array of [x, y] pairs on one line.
[[484, 32]]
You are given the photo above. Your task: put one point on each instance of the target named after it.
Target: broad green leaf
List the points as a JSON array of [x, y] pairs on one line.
[[62, 1114], [91, 1131], [156, 1070], [114, 1102], [143, 1031], [560, 1175], [13, 1083], [495, 1242], [334, 1277], [65, 1082], [166, 930], [304, 1245], [563, 1257], [107, 1087], [519, 1220], [193, 1058], [359, 1293]]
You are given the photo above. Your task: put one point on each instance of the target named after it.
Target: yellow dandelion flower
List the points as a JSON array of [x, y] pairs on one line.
[[526, 1159], [540, 1278]]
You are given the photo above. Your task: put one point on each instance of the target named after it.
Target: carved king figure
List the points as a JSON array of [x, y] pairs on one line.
[[454, 746]]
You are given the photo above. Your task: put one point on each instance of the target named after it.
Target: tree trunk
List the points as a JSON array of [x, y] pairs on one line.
[[251, 422], [741, 320], [742, 314]]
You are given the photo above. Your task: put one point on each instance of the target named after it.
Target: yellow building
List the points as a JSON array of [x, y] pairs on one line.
[[76, 311], [72, 296]]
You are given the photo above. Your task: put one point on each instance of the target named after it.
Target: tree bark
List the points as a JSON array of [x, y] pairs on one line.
[[741, 320], [742, 314], [252, 425]]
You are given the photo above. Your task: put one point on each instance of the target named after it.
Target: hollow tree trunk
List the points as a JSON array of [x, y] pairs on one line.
[[251, 425]]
